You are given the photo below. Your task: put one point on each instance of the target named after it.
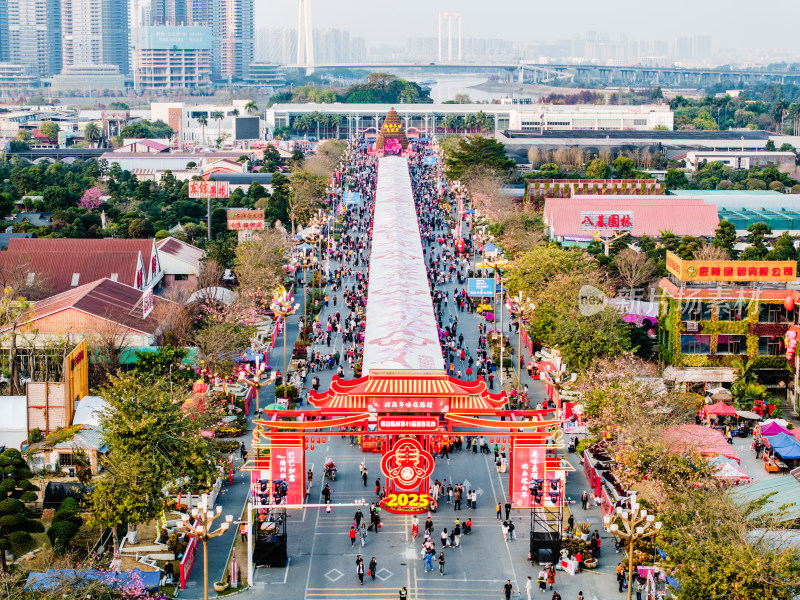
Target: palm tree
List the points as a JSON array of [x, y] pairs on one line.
[[335, 121], [235, 112], [251, 107], [202, 120], [91, 132], [218, 115]]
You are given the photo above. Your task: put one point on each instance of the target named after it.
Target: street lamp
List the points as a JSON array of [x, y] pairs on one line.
[[495, 263], [524, 307], [282, 307], [638, 524], [201, 530], [305, 262], [256, 382]]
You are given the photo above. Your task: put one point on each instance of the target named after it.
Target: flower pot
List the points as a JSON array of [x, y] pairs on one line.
[[590, 563], [220, 586]]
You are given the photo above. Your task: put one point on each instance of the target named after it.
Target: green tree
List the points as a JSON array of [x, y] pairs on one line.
[[624, 167], [153, 443], [725, 236], [717, 548], [476, 150], [50, 130], [218, 115], [675, 179], [92, 133], [598, 169], [586, 339], [757, 250], [784, 248], [202, 120], [770, 145]]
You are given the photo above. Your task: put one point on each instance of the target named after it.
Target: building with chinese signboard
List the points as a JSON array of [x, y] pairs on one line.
[[713, 312], [571, 220]]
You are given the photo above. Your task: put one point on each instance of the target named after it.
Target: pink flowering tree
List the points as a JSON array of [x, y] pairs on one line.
[[91, 199]]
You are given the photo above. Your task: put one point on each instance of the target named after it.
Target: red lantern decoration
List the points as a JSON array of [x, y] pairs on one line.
[[491, 440], [788, 304], [324, 440], [318, 440], [312, 445]]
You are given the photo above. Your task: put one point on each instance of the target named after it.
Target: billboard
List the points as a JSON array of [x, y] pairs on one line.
[[731, 270], [480, 287], [288, 464], [607, 220], [165, 37], [527, 464], [351, 198], [209, 189], [246, 128]]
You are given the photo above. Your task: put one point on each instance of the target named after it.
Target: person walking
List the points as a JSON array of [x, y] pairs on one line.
[[541, 579], [457, 534], [352, 536], [508, 510], [556, 596], [360, 571], [620, 576], [507, 589], [504, 528], [373, 567], [580, 595], [570, 524], [364, 476], [357, 518], [441, 563], [551, 576], [529, 587], [362, 534], [415, 527], [499, 511], [584, 499], [511, 530], [404, 593], [428, 560]]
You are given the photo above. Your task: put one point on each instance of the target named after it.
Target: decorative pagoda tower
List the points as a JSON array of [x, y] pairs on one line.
[[392, 129]]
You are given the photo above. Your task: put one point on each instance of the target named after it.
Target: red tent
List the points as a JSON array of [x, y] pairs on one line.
[[720, 408]]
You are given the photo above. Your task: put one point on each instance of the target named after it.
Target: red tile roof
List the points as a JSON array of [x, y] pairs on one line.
[[652, 214], [105, 299], [55, 261], [181, 250]]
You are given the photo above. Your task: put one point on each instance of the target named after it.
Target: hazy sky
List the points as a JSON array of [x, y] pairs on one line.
[[744, 24]]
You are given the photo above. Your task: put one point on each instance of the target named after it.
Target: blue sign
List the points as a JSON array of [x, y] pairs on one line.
[[351, 198], [480, 287], [429, 160]]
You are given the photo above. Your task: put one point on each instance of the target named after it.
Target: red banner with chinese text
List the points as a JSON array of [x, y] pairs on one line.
[[287, 462]]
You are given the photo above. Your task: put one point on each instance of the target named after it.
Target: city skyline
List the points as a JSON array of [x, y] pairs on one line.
[[729, 29]]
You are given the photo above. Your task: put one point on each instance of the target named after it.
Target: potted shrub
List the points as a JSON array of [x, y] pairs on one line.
[[582, 530]]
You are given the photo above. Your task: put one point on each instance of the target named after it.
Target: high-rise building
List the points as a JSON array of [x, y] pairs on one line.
[[276, 45], [168, 12], [199, 12], [34, 35], [4, 49], [233, 48], [173, 56], [95, 32]]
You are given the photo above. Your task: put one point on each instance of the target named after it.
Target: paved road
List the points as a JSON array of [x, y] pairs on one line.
[[322, 561]]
